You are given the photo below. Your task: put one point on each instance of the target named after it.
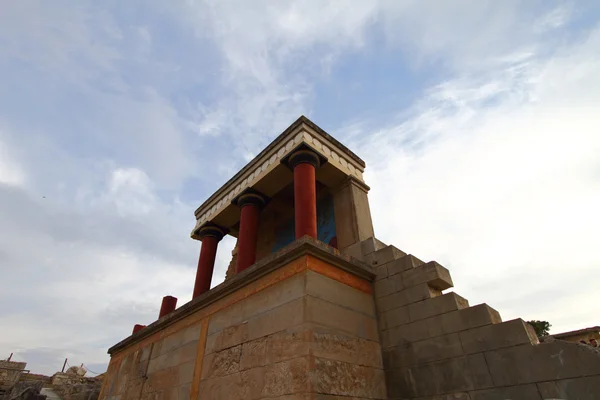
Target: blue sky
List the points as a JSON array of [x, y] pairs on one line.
[[478, 121]]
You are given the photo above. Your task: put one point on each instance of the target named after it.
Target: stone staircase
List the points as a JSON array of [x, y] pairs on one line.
[[435, 344]]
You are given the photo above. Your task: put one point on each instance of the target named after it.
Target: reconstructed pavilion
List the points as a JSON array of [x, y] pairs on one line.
[[315, 307]]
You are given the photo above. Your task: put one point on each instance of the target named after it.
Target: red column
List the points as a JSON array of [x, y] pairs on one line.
[[210, 236], [304, 163], [169, 303], [248, 237], [137, 328]]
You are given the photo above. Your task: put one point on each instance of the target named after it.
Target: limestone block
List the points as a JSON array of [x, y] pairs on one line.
[[371, 245], [240, 385], [186, 372], [354, 250], [333, 345], [525, 392], [291, 343], [468, 318], [344, 379], [187, 352], [222, 363], [333, 316], [436, 306], [254, 354], [274, 296], [497, 336], [226, 317], [384, 287], [543, 362], [458, 374], [431, 273], [227, 337], [164, 361], [396, 317], [418, 330], [387, 254], [584, 388], [403, 264], [183, 391], [406, 296], [286, 377], [422, 351], [287, 315], [339, 293], [163, 379], [380, 271]]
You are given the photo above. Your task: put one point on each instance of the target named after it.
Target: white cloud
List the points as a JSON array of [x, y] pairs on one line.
[[11, 172]]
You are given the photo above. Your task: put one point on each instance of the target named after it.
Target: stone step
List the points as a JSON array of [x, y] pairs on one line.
[[384, 256], [403, 264]]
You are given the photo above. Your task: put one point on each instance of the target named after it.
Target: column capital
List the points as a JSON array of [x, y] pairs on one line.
[[303, 154], [250, 196], [210, 229]]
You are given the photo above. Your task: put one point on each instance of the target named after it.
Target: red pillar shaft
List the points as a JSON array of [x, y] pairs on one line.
[[248, 237], [169, 303], [137, 328], [206, 264], [305, 200]]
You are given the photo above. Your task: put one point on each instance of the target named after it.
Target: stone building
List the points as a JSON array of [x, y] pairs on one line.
[[586, 335], [315, 307]]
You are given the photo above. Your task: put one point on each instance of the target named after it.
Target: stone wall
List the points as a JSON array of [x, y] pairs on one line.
[[436, 347], [10, 372], [307, 327]]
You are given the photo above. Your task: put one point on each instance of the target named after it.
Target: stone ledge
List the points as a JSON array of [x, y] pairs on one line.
[[301, 247]]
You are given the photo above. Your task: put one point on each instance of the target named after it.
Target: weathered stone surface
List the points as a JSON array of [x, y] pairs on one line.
[[370, 245], [286, 345], [254, 354], [497, 336], [431, 273], [166, 360], [326, 343], [468, 318], [408, 262], [543, 362], [186, 372], [241, 385], [381, 272], [396, 317], [340, 378], [339, 293], [525, 392], [226, 317], [406, 296], [274, 296], [163, 379], [227, 337], [183, 391], [285, 316], [584, 388], [385, 287], [422, 351], [451, 396], [286, 377], [436, 306], [334, 316], [458, 374], [418, 330], [386, 254], [222, 363]]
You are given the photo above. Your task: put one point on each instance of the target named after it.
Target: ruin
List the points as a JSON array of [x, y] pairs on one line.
[[315, 307]]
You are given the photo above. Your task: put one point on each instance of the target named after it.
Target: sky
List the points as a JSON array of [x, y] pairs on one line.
[[479, 123]]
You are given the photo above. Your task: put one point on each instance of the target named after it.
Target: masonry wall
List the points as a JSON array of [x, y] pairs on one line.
[[437, 347], [305, 331]]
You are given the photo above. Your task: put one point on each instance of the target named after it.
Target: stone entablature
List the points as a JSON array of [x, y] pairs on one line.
[[303, 131]]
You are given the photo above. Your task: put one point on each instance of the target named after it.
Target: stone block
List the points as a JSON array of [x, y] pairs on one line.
[[286, 377], [354, 250], [543, 362], [187, 352], [274, 296], [183, 391], [436, 306], [331, 315], [192, 333], [330, 344], [403, 297], [241, 385], [431, 273], [339, 293], [469, 318], [164, 361], [381, 272], [224, 362], [344, 379], [458, 374], [387, 254], [254, 354], [226, 317], [227, 337], [525, 392], [163, 379], [406, 263], [291, 343], [497, 336], [584, 388], [422, 351], [418, 330], [371, 245], [285, 316], [396, 317], [186, 372], [384, 287]]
